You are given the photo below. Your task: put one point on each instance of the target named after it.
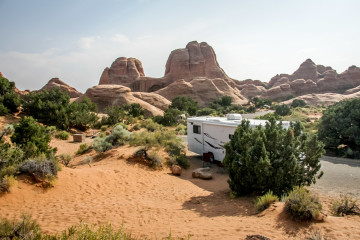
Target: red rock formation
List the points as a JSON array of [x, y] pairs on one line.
[[56, 82], [196, 60], [251, 90], [116, 95]]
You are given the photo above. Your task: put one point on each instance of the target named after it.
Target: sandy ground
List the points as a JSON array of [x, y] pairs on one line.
[[152, 204]]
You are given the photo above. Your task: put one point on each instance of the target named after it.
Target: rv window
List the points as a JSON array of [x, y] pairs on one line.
[[196, 129]]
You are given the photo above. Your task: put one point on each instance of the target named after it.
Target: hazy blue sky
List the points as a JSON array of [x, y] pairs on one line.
[[76, 39]]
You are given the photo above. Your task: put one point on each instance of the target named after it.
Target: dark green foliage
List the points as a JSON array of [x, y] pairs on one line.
[[302, 205], [9, 100], [184, 104], [224, 101], [298, 103], [288, 97], [283, 110], [134, 109], [49, 107], [82, 115], [260, 102], [32, 138], [271, 158], [340, 125], [251, 109], [170, 117], [205, 112]]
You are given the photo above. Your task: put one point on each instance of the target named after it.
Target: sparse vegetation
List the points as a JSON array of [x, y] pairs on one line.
[[119, 136], [345, 205], [83, 148], [282, 110], [63, 135], [65, 159], [155, 159], [263, 202], [182, 161], [302, 205]]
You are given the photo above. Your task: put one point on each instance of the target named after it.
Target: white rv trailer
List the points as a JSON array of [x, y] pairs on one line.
[[208, 135]]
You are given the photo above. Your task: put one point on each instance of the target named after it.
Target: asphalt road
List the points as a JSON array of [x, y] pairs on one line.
[[341, 176]]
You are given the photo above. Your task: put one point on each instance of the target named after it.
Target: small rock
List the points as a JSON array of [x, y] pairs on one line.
[[203, 173], [176, 170]]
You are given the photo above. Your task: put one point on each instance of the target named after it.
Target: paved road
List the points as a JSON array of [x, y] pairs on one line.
[[341, 176]]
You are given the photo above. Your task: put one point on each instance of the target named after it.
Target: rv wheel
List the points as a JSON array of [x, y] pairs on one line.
[[212, 159]]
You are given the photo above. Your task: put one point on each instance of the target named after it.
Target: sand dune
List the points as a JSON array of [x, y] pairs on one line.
[[152, 203]]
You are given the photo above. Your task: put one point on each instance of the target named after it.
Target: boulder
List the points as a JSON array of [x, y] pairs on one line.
[[251, 90], [349, 78], [116, 95], [276, 78], [278, 93], [280, 81], [329, 82], [56, 82], [154, 99], [203, 173], [176, 170]]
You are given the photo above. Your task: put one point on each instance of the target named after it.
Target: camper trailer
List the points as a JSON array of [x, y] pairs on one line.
[[208, 135]]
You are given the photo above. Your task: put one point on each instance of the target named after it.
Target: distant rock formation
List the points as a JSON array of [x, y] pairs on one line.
[[195, 67], [312, 78], [56, 82], [116, 95]]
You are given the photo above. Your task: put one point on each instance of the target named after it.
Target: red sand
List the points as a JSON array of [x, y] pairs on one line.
[[154, 203]]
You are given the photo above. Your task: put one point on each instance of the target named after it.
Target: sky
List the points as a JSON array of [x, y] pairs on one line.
[[75, 40]]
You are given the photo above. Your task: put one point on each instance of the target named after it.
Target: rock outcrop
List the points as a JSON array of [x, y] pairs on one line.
[[312, 78], [56, 82], [116, 95], [192, 71], [202, 90]]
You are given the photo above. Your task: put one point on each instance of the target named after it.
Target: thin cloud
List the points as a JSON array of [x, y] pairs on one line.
[[120, 38], [86, 42]]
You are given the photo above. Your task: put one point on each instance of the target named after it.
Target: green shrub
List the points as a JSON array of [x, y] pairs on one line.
[[9, 100], [101, 145], [302, 205], [65, 159], [271, 158], [263, 202], [283, 110], [155, 159], [181, 129], [150, 125], [51, 130], [63, 135], [185, 104], [251, 109], [183, 161], [163, 138], [104, 128], [83, 148], [32, 138], [8, 171], [206, 112], [298, 103], [345, 205]]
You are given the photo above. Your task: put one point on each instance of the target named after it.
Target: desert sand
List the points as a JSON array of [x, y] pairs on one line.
[[152, 203]]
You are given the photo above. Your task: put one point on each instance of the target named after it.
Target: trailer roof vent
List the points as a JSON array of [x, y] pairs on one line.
[[233, 117]]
